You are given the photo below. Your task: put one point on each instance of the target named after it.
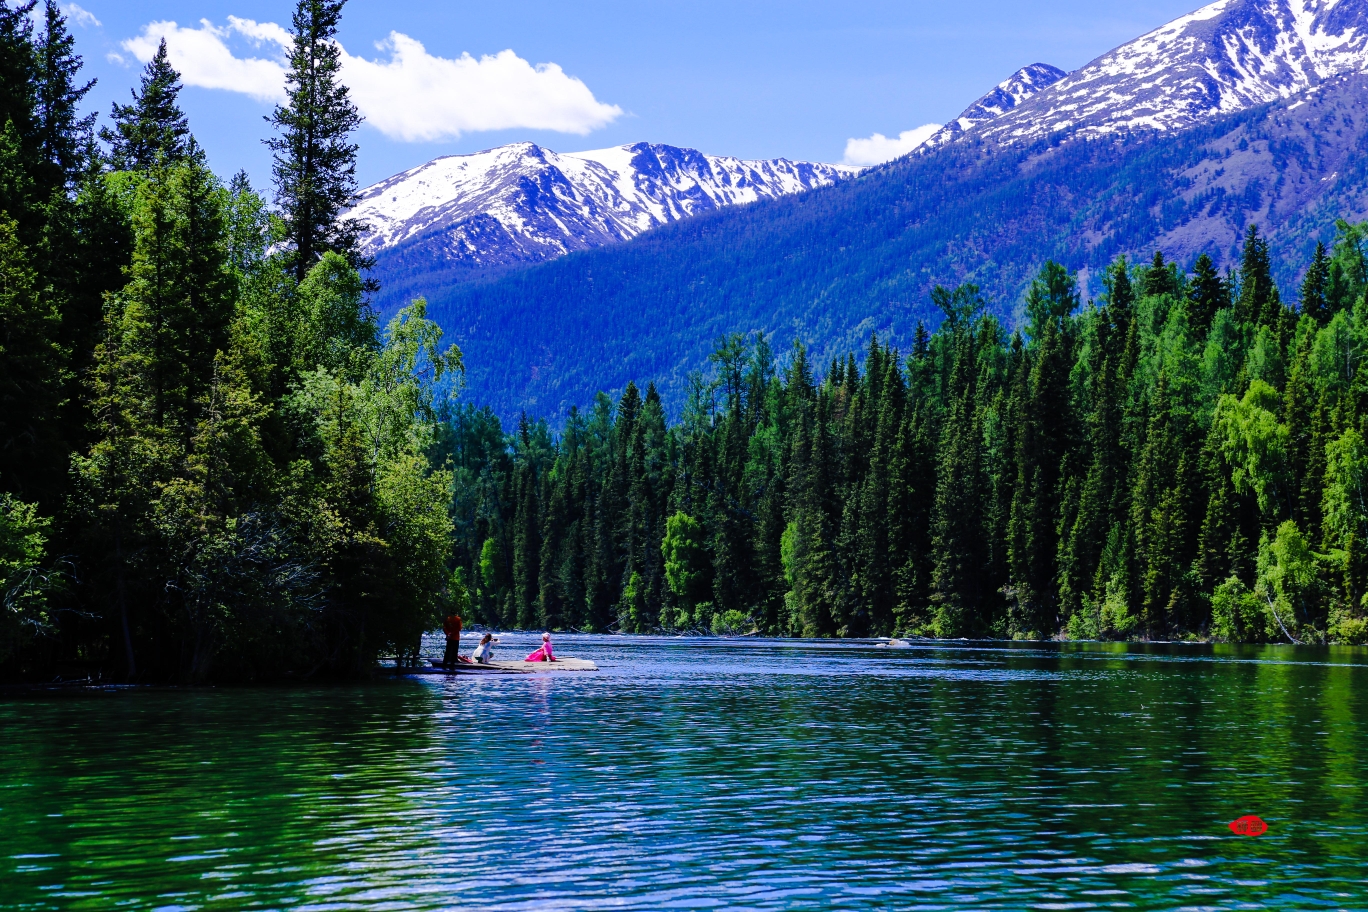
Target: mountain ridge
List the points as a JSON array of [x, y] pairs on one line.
[[831, 266], [1036, 180], [520, 204], [1226, 57], [1012, 92]]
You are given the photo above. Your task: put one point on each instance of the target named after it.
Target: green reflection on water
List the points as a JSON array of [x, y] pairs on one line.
[[697, 774]]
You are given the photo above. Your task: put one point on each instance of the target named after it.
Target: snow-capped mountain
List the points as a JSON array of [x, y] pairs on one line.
[[1008, 94], [521, 203], [1225, 57]]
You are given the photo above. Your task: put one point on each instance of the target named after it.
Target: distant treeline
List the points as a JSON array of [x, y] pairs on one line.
[[213, 462], [1185, 457]]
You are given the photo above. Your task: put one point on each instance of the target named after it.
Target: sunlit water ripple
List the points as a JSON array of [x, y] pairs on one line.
[[698, 774]]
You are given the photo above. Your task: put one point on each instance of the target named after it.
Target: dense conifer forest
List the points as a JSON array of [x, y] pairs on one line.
[[214, 462], [1183, 458]]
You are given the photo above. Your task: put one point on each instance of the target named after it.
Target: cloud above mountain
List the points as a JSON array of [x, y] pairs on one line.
[[408, 95], [877, 149]]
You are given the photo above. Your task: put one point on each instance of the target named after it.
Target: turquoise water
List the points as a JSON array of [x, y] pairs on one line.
[[693, 774]]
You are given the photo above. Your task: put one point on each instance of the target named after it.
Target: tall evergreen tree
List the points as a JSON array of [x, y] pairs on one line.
[[153, 128], [314, 157], [1042, 416], [959, 543], [62, 132], [1315, 287], [1258, 304], [1207, 294], [31, 375], [18, 90]]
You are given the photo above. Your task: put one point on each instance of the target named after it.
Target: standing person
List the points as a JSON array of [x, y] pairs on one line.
[[452, 629], [484, 653], [543, 653]]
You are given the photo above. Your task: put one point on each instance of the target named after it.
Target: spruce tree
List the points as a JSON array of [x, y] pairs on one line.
[[314, 157], [1041, 413], [1159, 278], [960, 551], [31, 375], [1258, 304], [1315, 287], [18, 86], [1348, 266], [62, 131], [1082, 544], [1207, 294], [153, 127]]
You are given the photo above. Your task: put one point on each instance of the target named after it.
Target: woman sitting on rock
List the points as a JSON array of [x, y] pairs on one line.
[[543, 653]]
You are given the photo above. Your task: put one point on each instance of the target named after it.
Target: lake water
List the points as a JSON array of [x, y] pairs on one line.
[[697, 774]]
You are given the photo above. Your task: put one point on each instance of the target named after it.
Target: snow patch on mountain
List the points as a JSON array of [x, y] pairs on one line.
[[1225, 57], [522, 203], [1009, 94]]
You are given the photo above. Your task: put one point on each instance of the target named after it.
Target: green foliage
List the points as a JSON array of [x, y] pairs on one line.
[[1160, 464], [31, 367], [249, 478], [1256, 444], [23, 584], [731, 623], [1237, 615], [686, 562], [1288, 583], [314, 157], [153, 129]]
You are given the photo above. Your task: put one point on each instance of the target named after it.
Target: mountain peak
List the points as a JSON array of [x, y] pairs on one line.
[[521, 203], [1225, 57], [1005, 96]]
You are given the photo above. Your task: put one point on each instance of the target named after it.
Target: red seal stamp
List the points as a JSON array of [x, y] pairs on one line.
[[1248, 825]]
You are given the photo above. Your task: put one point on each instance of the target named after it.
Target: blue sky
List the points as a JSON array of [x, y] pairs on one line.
[[764, 79]]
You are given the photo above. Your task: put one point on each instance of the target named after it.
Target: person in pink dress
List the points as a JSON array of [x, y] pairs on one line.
[[543, 653]]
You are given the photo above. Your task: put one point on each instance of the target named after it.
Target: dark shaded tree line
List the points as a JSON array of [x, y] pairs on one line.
[[214, 462], [1185, 457]]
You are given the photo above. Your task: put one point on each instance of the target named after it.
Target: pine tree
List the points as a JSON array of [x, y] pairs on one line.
[[18, 94], [1258, 304], [1348, 266], [1160, 278], [959, 547], [31, 375], [62, 131], [1315, 287], [1041, 411], [1081, 547], [1165, 531], [314, 157], [153, 128], [1206, 294], [526, 528]]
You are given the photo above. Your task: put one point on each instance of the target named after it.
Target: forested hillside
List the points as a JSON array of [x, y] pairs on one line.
[[1184, 457], [215, 463], [830, 266], [218, 464]]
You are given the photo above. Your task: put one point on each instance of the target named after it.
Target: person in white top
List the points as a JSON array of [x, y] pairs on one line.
[[484, 653]]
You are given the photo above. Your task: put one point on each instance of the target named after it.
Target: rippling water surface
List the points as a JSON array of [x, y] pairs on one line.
[[710, 774]]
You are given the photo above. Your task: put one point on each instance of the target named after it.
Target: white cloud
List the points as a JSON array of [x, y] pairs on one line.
[[257, 32], [203, 58], [878, 148], [82, 17], [411, 96], [416, 96]]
